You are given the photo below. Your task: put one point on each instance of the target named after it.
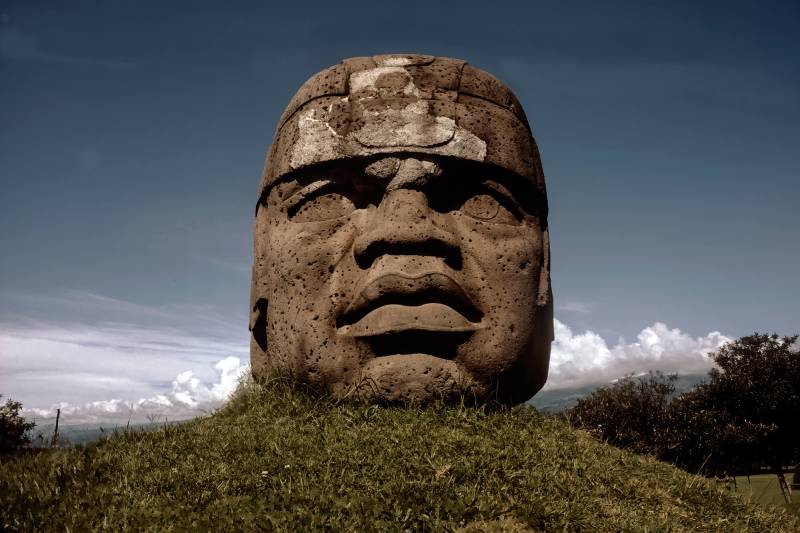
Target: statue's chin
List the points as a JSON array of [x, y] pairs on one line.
[[416, 378]]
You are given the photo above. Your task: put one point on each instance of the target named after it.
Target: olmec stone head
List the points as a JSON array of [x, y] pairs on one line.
[[401, 243]]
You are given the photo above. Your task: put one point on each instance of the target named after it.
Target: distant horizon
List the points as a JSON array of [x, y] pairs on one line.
[[80, 419]]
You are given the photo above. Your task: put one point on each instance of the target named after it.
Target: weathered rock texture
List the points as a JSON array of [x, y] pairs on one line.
[[401, 243]]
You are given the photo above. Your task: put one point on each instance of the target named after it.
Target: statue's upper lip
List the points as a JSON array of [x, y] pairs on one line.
[[403, 289]]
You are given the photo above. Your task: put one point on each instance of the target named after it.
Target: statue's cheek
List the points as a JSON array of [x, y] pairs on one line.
[[310, 253], [499, 248]]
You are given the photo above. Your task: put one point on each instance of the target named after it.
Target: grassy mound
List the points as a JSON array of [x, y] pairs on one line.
[[278, 459]]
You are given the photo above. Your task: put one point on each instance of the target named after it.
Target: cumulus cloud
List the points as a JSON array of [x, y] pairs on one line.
[[188, 397], [585, 358]]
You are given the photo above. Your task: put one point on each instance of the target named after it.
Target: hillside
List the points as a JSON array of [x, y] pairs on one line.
[[277, 459]]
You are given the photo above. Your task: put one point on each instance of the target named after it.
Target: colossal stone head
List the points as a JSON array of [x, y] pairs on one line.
[[401, 243]]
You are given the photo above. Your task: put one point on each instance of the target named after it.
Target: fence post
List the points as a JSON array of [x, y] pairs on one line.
[[55, 431]]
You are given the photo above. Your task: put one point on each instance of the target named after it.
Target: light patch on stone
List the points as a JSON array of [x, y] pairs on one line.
[[317, 141], [465, 145], [403, 60], [410, 129], [365, 80], [396, 61], [414, 173], [411, 125]]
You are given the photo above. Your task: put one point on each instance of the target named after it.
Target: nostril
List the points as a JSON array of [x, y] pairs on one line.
[[426, 247]]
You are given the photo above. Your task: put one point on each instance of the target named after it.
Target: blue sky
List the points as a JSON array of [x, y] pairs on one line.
[[132, 136]]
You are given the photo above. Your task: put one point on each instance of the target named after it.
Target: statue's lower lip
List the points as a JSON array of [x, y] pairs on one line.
[[396, 318]]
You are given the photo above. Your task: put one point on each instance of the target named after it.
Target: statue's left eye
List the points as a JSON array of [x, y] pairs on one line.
[[320, 205], [488, 207]]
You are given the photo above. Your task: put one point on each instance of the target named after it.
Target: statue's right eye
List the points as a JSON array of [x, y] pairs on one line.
[[317, 202]]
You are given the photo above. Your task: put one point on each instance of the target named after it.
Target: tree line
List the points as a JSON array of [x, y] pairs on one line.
[[743, 419]]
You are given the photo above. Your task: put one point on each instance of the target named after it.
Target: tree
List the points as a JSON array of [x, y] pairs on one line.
[[743, 419], [13, 427], [630, 413], [751, 405], [703, 436]]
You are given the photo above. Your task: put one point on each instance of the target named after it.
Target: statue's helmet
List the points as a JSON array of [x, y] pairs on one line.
[[366, 106]]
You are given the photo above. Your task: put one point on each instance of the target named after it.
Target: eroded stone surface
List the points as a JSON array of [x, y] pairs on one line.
[[401, 243]]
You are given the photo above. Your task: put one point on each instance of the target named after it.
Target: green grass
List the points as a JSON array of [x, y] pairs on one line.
[[764, 488], [278, 459]]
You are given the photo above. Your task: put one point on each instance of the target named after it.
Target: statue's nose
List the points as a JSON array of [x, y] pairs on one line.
[[404, 224]]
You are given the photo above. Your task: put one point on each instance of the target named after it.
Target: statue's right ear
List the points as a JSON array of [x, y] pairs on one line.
[[258, 323], [259, 288]]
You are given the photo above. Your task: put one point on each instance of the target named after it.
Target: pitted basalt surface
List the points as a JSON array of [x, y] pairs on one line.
[[401, 242]]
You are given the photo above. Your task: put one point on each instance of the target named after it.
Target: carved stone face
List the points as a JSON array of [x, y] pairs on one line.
[[405, 274]]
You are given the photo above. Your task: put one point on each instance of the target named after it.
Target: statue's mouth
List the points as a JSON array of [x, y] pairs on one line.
[[395, 303]]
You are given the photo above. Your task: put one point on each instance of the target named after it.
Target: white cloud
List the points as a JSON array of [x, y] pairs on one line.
[[88, 358], [188, 397], [585, 358], [80, 363]]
